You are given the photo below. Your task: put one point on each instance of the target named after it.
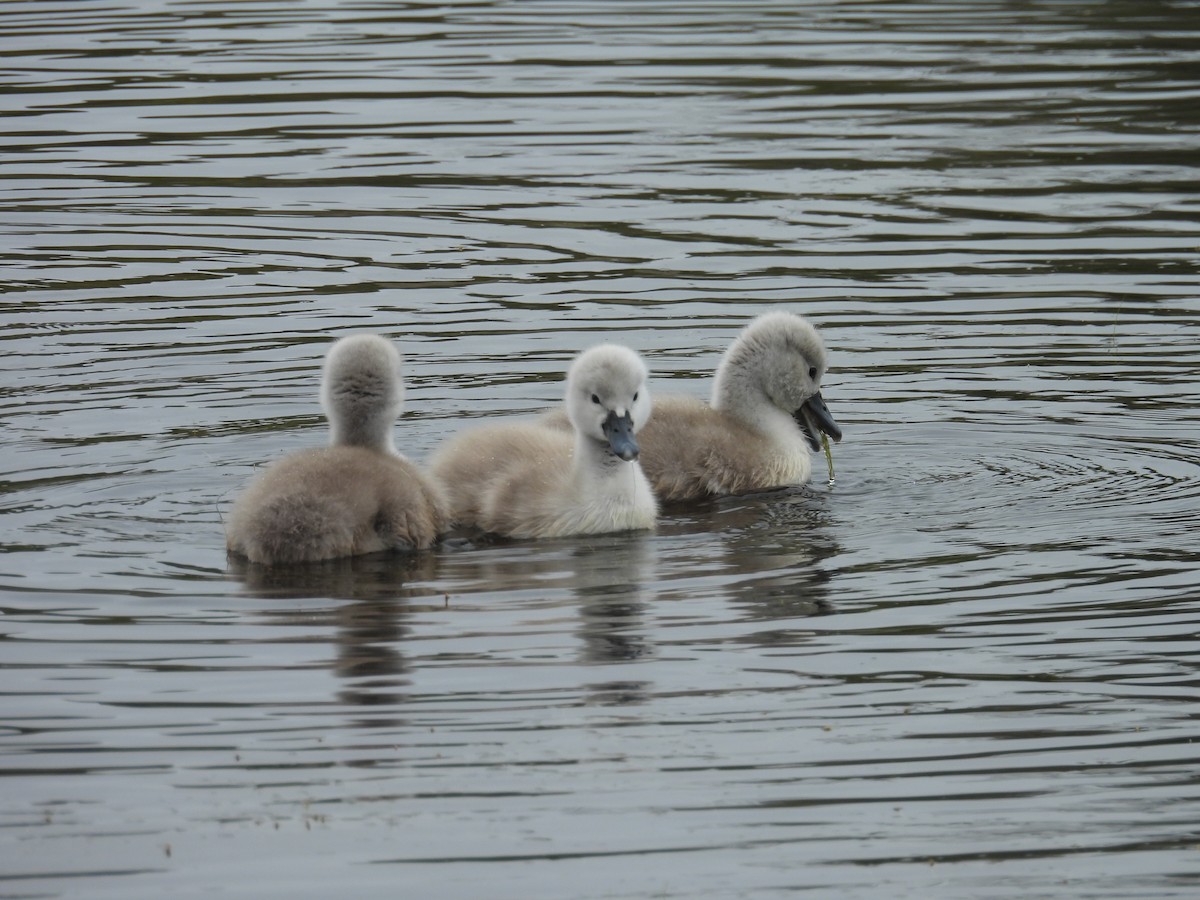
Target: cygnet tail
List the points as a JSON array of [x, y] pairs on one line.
[[293, 529]]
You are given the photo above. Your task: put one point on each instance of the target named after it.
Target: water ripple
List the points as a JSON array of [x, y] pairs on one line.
[[979, 641]]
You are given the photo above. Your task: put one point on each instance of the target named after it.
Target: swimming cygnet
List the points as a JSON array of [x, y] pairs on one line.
[[525, 480], [358, 495], [761, 428]]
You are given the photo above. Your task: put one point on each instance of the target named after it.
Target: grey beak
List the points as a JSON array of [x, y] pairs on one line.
[[813, 417], [619, 431]]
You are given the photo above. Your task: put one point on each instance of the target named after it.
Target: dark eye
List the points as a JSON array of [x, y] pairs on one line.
[[635, 393], [812, 373], [595, 399]]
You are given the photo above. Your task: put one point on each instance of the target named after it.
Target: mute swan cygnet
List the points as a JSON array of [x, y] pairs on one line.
[[761, 428], [528, 481], [358, 495]]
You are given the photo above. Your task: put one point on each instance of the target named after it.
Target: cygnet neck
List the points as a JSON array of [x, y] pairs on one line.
[[372, 432], [738, 391], [594, 461]]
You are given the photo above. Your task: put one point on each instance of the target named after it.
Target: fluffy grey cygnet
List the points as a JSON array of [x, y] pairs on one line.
[[761, 427], [358, 495], [525, 480]]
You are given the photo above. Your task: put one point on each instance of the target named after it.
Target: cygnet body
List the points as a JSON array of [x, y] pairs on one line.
[[526, 480], [761, 427], [358, 495]]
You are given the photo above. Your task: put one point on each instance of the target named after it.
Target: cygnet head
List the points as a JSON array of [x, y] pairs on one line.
[[780, 357], [362, 391], [607, 399]]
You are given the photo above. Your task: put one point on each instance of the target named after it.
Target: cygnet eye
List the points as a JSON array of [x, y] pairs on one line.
[[595, 399], [635, 393], [812, 373]]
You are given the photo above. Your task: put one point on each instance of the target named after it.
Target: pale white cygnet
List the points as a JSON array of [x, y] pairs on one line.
[[525, 480], [358, 495], [762, 425]]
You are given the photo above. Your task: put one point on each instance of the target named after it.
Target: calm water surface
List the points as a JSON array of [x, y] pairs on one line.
[[967, 669]]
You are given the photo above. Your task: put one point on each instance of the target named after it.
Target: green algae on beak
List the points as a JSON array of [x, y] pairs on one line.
[[828, 454]]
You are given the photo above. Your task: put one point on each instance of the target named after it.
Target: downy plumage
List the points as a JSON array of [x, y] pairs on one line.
[[359, 494], [525, 480], [761, 427]]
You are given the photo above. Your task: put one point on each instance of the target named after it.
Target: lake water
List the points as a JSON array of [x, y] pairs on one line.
[[966, 669]]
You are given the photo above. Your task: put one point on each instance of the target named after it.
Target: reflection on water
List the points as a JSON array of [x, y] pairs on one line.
[[965, 670], [369, 629]]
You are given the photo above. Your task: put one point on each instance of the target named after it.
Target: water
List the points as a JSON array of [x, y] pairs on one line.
[[968, 669]]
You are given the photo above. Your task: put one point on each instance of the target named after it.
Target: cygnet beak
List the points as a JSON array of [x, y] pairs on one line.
[[813, 417], [619, 431]]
